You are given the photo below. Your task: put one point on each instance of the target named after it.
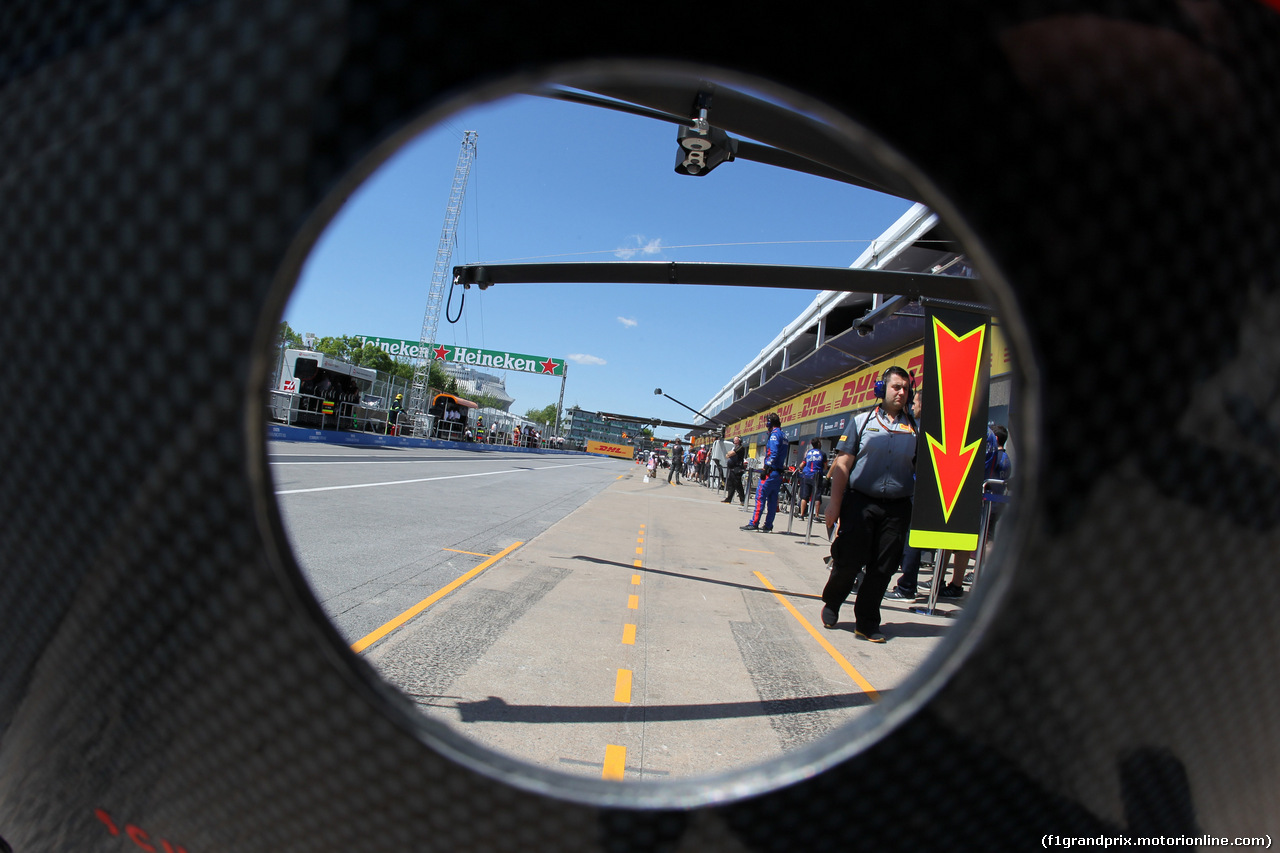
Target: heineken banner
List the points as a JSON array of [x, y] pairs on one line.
[[470, 356], [950, 454]]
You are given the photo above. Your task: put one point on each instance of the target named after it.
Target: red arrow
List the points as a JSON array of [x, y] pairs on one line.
[[958, 363]]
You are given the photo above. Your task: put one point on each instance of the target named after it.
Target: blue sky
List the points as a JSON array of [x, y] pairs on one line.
[[562, 182]]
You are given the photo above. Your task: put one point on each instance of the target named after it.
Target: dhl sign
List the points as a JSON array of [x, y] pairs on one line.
[[857, 390], [622, 451]]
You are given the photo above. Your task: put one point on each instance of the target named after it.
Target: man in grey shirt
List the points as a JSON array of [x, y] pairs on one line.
[[872, 481]]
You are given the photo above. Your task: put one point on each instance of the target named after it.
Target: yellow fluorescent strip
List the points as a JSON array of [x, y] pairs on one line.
[[637, 564], [369, 639], [615, 761], [472, 553], [640, 541], [622, 692], [633, 602], [635, 580], [639, 550], [822, 641], [628, 635]]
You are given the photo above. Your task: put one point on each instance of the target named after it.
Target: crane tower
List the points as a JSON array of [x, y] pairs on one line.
[[435, 296]]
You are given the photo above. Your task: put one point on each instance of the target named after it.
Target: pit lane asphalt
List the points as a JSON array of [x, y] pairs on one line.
[[628, 629]]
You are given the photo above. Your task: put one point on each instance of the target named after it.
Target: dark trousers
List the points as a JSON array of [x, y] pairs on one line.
[[910, 571], [872, 535], [734, 483], [675, 471]]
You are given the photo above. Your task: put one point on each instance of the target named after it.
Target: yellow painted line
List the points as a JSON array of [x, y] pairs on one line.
[[615, 761], [628, 635], [822, 641], [620, 476], [642, 527], [622, 690], [635, 580], [633, 602], [640, 541], [749, 551], [638, 564], [639, 550], [369, 639], [472, 553]]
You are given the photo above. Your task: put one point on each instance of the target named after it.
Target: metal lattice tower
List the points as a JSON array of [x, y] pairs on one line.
[[441, 273]]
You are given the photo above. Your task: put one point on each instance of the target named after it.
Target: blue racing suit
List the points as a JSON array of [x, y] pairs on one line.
[[775, 463]]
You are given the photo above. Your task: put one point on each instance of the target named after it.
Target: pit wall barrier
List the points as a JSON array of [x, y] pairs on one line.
[[281, 432]]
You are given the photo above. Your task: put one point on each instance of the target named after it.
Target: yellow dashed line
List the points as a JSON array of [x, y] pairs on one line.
[[615, 761], [635, 580], [628, 635], [638, 564], [633, 602], [622, 689], [639, 550], [472, 553]]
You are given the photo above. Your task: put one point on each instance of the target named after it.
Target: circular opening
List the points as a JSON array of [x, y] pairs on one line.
[[535, 292]]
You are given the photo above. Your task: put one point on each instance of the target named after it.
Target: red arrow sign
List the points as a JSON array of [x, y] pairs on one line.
[[959, 360]]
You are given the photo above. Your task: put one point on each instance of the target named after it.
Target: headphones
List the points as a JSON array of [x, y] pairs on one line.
[[911, 386]]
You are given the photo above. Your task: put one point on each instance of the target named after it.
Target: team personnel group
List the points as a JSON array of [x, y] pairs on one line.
[[868, 516]]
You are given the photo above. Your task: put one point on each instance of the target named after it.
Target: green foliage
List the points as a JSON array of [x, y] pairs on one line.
[[342, 347], [287, 338], [486, 401], [436, 377], [545, 415]]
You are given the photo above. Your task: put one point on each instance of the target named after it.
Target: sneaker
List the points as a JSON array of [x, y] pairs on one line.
[[896, 594], [766, 529], [924, 585], [968, 577], [829, 616], [748, 527], [951, 591], [727, 501], [873, 637]]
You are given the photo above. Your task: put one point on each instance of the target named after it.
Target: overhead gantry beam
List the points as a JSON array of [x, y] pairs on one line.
[[781, 276]]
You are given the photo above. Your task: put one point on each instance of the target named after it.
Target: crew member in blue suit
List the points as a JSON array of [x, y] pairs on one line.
[[776, 449]]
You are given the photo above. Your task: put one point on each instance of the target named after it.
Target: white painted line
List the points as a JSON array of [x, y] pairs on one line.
[[430, 479]]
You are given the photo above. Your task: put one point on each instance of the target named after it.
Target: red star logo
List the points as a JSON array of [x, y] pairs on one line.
[[441, 353], [549, 366]]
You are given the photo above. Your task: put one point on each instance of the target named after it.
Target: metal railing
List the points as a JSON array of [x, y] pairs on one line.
[[308, 410], [940, 555]]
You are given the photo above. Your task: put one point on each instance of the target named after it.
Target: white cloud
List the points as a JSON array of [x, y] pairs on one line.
[[582, 358], [641, 247], [628, 322]]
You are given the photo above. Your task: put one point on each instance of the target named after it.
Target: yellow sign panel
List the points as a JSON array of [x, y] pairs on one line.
[[622, 451], [857, 390]]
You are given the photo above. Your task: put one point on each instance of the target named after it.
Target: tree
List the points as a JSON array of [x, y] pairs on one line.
[[486, 401], [545, 415], [287, 338], [436, 377]]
